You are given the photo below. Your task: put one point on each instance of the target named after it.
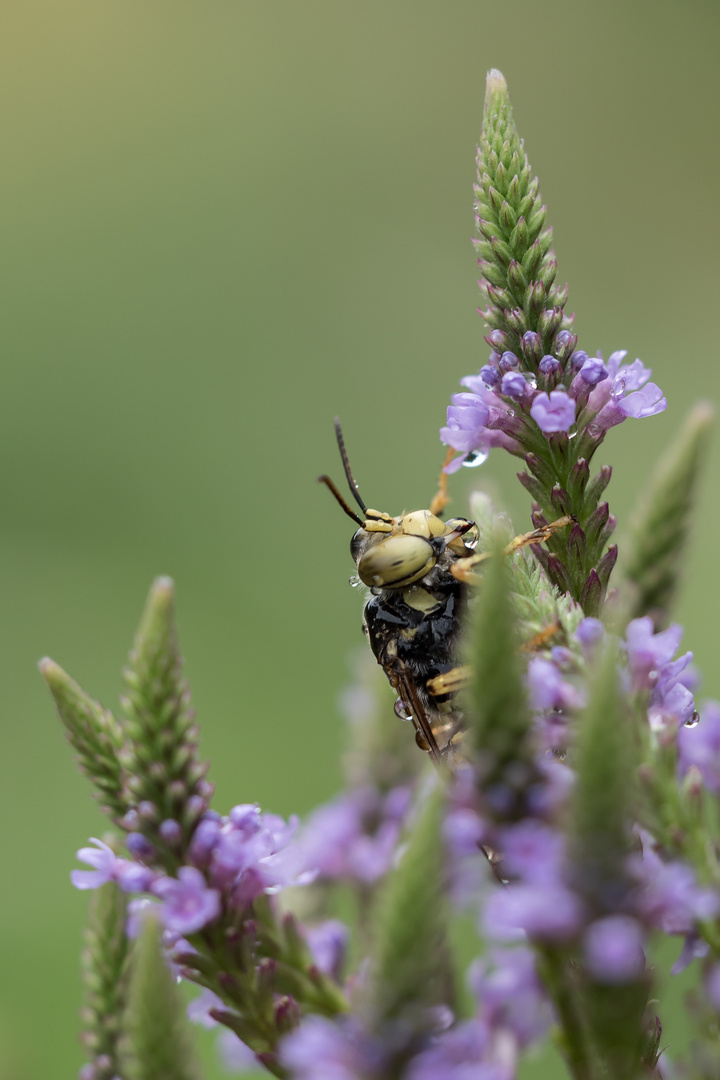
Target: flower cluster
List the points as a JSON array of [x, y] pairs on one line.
[[510, 396]]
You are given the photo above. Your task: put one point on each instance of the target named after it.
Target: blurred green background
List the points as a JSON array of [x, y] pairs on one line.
[[221, 224]]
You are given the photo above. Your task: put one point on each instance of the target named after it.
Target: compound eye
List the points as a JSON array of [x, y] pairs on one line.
[[396, 562], [356, 544]]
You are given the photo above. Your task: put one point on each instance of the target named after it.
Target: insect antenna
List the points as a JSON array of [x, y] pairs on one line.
[[350, 513], [346, 466]]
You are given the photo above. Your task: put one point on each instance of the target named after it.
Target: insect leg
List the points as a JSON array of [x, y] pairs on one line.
[[462, 569], [441, 498]]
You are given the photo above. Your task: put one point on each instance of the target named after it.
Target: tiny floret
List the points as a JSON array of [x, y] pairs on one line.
[[553, 412]]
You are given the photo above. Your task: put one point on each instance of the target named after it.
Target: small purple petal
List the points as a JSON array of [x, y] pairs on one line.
[[700, 746], [103, 858], [589, 632], [188, 902], [553, 412], [593, 371], [514, 384], [613, 949], [648, 401], [328, 944], [549, 365]]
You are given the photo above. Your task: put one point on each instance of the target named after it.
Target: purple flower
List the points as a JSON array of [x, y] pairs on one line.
[[548, 689], [549, 365], [105, 861], [336, 841], [328, 944], [614, 949], [553, 412], [508, 360], [648, 651], [548, 912], [204, 840], [132, 877], [509, 994], [668, 896], [694, 948], [700, 746], [532, 852], [648, 401], [322, 1050], [624, 393], [465, 423], [188, 902], [465, 1052], [198, 1011], [589, 632], [514, 384], [593, 371], [490, 375]]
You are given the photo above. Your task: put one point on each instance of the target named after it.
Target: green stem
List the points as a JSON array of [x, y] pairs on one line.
[[573, 1041]]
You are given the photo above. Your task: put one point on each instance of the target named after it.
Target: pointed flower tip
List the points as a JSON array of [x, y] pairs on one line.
[[51, 672], [702, 415], [495, 82], [163, 586]]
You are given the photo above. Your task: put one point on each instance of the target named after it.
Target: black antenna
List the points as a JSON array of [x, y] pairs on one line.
[[346, 466], [350, 513]]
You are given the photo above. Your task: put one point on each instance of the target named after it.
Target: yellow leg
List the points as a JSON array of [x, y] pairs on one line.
[[462, 569], [441, 497]]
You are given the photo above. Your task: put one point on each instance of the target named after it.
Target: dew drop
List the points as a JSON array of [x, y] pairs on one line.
[[354, 582], [618, 387], [475, 458], [531, 381], [572, 431], [694, 719], [401, 710]]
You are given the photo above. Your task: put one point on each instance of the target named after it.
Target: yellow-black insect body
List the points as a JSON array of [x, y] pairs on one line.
[[416, 609], [419, 570]]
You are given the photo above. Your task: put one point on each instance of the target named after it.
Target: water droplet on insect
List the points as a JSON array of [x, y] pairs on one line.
[[354, 582], [401, 710], [572, 431], [694, 719], [475, 458]]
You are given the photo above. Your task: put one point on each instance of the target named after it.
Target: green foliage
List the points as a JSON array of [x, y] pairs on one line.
[[604, 795], [600, 824], [160, 755], [105, 964], [516, 263], [156, 1043], [499, 717], [95, 734], [410, 956], [660, 527]]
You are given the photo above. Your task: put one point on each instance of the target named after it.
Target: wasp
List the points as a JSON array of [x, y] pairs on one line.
[[419, 570]]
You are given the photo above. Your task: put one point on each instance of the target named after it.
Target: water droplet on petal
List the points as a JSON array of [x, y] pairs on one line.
[[475, 458], [694, 719], [618, 387]]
